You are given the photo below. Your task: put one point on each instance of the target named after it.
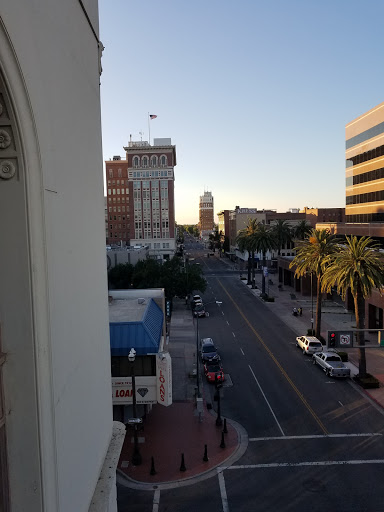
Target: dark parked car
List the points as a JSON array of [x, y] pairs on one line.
[[208, 351]]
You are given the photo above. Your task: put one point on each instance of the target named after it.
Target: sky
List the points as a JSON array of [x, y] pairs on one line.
[[254, 94]]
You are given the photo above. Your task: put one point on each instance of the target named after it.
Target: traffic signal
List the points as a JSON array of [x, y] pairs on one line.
[[332, 339]]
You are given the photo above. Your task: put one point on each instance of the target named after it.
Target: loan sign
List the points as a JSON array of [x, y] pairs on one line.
[[164, 378], [122, 392]]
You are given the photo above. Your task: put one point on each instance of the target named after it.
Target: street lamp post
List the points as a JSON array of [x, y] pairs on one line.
[[197, 346], [136, 456], [218, 385]]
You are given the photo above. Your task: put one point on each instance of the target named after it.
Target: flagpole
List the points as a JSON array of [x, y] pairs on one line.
[[149, 130]]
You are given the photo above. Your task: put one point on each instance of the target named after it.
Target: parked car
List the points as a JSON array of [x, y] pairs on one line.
[[332, 364], [208, 351], [309, 344], [214, 372], [199, 311]]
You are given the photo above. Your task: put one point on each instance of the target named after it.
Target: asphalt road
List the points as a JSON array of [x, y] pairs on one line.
[[314, 443]]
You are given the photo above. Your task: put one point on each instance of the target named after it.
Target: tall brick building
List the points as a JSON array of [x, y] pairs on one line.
[[140, 197]]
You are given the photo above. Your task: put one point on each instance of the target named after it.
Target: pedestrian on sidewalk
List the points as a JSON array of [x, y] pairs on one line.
[[300, 311]]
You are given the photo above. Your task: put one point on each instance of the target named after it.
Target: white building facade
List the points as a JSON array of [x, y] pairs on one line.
[[58, 442]]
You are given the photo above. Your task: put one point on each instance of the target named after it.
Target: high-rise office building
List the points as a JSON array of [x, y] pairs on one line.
[[365, 171], [206, 215], [140, 197]]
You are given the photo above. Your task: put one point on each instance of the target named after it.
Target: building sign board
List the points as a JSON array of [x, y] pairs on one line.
[[164, 378], [122, 393]]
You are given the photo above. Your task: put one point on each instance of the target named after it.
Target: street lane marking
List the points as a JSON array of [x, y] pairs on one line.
[[265, 398], [223, 492], [242, 351], [234, 335], [302, 464], [227, 322], [156, 500], [222, 312], [284, 373], [341, 404], [285, 438]]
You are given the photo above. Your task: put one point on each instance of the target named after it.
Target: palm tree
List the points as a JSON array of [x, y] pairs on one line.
[[246, 242], [301, 230], [264, 242], [311, 257], [358, 266], [282, 232]]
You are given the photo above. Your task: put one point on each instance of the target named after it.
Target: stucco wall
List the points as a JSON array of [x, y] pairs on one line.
[[57, 54]]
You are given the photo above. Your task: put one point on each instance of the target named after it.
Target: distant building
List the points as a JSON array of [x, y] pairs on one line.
[[206, 215], [315, 215], [140, 197]]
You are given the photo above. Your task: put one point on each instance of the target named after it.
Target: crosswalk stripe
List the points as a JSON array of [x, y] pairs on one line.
[[321, 436]]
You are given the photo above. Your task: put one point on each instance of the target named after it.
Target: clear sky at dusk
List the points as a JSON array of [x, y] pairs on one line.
[[255, 95]]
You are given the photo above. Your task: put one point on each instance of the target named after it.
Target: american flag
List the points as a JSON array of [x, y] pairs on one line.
[[152, 116]]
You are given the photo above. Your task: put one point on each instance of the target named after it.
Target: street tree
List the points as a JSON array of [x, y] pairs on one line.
[[301, 230], [358, 266], [264, 241], [282, 232], [311, 258], [246, 241]]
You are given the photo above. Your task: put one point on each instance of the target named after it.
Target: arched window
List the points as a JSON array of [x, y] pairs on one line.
[[153, 161], [144, 161], [135, 161], [163, 160]]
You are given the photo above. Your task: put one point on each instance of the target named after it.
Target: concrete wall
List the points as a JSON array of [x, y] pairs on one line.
[[53, 298]]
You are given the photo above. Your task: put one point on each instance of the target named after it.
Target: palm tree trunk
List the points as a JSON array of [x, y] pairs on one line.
[[253, 269], [263, 276], [318, 308], [360, 335], [249, 270]]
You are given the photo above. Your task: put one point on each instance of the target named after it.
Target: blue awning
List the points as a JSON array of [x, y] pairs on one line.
[[144, 336]]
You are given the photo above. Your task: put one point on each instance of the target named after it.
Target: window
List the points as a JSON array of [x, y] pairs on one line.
[[109, 191], [135, 161], [144, 161], [119, 173], [163, 160], [110, 173], [153, 161]]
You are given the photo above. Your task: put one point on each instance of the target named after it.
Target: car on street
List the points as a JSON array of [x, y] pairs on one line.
[[309, 344], [332, 364], [199, 310], [208, 351], [214, 372]]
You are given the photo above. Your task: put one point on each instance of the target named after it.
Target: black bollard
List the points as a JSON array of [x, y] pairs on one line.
[[205, 458], [182, 466], [225, 431], [153, 470], [222, 444]]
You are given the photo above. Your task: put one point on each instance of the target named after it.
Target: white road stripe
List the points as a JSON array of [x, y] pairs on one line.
[[222, 312], [302, 464], [318, 436], [227, 322], [156, 501], [341, 404], [242, 351], [223, 492], [265, 398], [234, 335]]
